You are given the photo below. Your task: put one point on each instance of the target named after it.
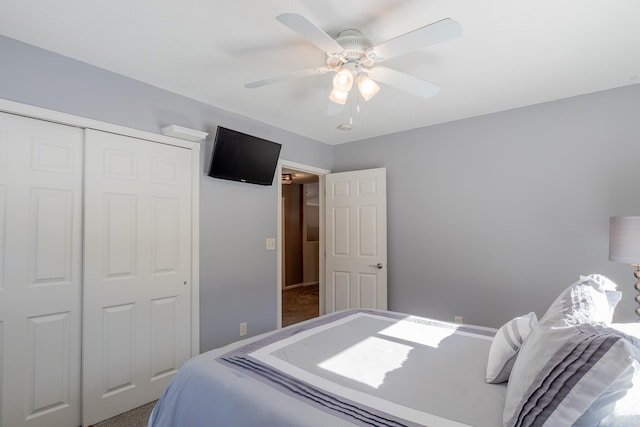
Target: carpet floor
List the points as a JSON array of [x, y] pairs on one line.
[[138, 417], [298, 304]]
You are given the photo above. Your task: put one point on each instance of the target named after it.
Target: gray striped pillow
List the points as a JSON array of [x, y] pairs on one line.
[[505, 346], [569, 375]]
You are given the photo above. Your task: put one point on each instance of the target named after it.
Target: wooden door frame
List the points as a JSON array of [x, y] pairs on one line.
[[321, 223]]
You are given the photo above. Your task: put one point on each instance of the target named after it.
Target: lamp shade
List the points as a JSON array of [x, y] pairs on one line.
[[624, 239]]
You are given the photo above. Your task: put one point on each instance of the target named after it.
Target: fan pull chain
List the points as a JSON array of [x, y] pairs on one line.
[[357, 95], [351, 108]]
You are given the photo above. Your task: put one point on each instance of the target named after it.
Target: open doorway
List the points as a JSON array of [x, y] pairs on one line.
[[300, 237], [301, 243]]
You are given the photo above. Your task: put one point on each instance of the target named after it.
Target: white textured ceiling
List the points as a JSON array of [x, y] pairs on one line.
[[512, 53]]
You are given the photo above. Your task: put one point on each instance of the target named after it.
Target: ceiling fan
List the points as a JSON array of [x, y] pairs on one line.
[[353, 59]]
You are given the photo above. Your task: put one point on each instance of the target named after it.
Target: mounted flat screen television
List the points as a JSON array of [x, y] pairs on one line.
[[241, 157]]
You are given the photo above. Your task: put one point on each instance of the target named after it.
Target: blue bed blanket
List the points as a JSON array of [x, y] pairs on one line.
[[356, 367]]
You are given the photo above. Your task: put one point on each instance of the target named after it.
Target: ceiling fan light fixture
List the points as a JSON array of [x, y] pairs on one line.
[[343, 80], [338, 96], [367, 87]]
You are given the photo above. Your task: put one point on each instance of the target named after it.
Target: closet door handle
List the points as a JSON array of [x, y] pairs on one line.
[[378, 266]]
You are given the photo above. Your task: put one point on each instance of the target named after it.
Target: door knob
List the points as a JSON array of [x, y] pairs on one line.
[[378, 266]]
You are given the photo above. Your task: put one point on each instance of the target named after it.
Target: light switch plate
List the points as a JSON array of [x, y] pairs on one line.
[[271, 244]]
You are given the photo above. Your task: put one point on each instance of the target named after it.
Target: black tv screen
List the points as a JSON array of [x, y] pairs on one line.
[[241, 157]]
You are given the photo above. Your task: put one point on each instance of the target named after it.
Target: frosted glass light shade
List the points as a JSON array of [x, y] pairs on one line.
[[367, 87], [338, 96], [624, 239], [343, 80]]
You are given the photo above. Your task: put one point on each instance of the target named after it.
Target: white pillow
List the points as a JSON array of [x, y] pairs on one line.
[[592, 299], [631, 329], [505, 346], [627, 410]]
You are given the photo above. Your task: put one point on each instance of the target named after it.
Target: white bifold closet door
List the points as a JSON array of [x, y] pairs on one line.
[[136, 300], [40, 272]]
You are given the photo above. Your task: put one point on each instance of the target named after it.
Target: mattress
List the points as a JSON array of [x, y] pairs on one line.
[[356, 367]]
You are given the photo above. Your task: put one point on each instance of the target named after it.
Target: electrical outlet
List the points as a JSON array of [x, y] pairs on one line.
[[243, 329], [458, 319]]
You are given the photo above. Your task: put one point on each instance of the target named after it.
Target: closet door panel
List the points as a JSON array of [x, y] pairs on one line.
[[51, 224], [120, 229], [48, 356], [40, 264], [165, 228], [163, 336], [3, 240], [137, 271], [118, 343], [1, 371]]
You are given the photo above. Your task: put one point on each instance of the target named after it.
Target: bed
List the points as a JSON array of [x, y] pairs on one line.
[[382, 368]]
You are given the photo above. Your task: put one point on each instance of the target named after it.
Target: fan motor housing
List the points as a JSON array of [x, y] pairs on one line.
[[354, 47]]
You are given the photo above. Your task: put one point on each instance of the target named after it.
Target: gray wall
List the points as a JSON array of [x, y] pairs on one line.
[[491, 217], [237, 276]]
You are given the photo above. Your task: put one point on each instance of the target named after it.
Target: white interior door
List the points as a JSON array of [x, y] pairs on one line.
[[40, 272], [356, 240], [137, 271]]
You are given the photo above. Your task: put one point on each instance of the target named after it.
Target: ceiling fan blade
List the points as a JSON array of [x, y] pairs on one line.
[[404, 82], [436, 32], [310, 31], [287, 76]]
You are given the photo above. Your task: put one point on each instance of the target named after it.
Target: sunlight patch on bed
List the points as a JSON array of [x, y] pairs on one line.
[[368, 361], [418, 333]]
